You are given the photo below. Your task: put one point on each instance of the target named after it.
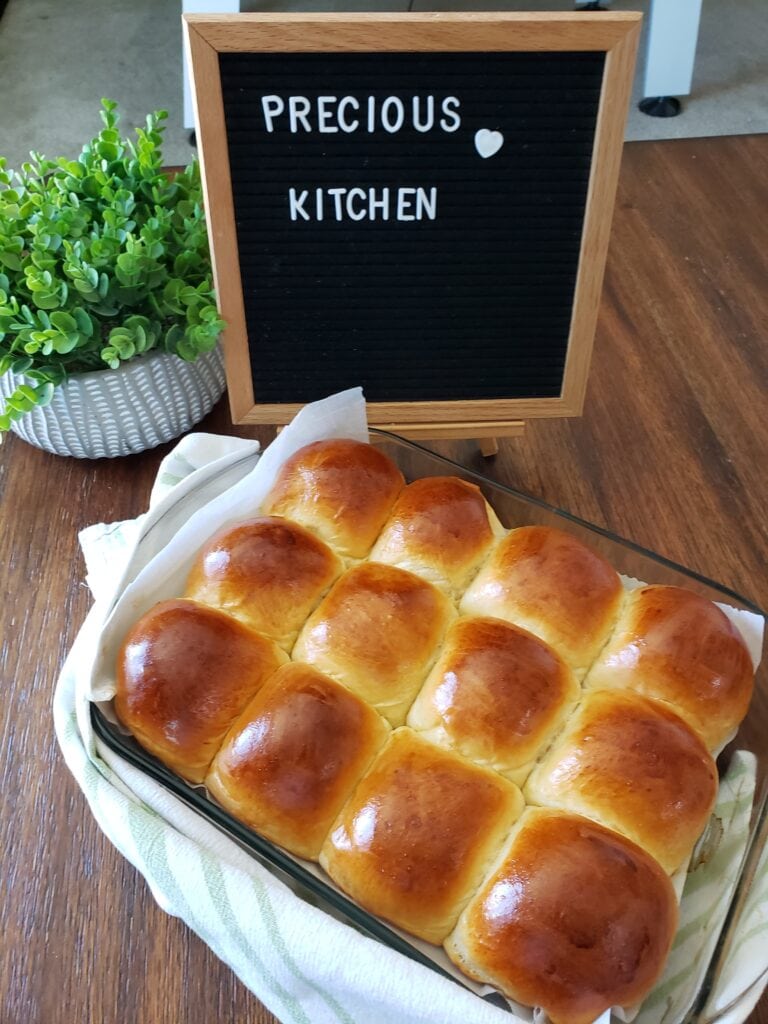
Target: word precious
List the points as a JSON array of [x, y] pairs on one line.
[[329, 114]]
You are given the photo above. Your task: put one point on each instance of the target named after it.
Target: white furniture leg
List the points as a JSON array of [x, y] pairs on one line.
[[200, 7], [673, 28]]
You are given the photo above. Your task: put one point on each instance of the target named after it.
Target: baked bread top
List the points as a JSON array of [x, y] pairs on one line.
[[512, 656], [294, 755], [576, 919], [184, 673], [635, 766], [441, 528], [548, 582], [269, 572], [420, 830], [342, 490], [677, 647], [497, 694]]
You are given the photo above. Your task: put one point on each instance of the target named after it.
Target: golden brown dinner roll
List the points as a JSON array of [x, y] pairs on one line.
[[268, 572], [377, 632], [415, 838], [675, 646], [184, 673], [441, 528], [497, 694], [635, 766], [342, 490], [548, 582], [576, 919], [293, 756]]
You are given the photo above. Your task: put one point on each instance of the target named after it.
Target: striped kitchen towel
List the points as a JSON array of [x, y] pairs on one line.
[[306, 966]]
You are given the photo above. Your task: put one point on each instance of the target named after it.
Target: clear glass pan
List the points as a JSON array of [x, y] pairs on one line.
[[517, 509]]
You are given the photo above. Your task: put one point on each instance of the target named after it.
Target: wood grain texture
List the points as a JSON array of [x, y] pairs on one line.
[[670, 451], [556, 30], [217, 192], [603, 181], [456, 431]]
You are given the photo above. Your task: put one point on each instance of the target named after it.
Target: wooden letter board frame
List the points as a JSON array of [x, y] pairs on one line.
[[614, 34]]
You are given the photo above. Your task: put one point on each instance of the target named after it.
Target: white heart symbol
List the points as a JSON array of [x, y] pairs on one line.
[[487, 143]]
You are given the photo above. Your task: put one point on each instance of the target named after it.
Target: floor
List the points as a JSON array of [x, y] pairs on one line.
[[55, 66]]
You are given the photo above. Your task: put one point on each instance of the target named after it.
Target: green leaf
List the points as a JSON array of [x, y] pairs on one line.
[[84, 322], [108, 151], [86, 289], [186, 350], [10, 259], [110, 356], [64, 322], [20, 365], [18, 404], [44, 393], [174, 335], [64, 343], [27, 392]]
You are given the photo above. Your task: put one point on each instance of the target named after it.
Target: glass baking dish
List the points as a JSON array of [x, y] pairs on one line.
[[513, 509]]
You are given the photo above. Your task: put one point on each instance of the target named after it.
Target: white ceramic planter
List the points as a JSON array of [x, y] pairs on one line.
[[119, 412]]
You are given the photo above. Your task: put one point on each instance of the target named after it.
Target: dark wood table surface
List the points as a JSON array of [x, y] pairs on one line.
[[670, 452]]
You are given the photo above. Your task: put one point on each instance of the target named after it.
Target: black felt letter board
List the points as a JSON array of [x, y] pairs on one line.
[[469, 294]]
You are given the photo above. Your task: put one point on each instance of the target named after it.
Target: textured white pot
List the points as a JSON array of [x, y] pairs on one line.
[[118, 412]]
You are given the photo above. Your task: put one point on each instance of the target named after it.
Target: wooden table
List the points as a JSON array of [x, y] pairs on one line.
[[671, 452]]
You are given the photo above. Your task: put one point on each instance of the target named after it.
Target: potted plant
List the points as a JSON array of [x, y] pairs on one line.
[[108, 319]]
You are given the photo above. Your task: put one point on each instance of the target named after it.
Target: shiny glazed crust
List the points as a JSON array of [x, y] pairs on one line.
[[268, 572], [342, 490], [413, 842], [498, 695], [441, 528], [674, 646], [414, 825], [576, 919], [184, 673], [293, 756], [551, 584], [377, 632], [632, 765]]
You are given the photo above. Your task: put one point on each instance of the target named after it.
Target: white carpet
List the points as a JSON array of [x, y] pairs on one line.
[[57, 60]]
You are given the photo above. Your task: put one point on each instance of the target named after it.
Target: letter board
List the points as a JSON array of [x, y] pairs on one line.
[[418, 204]]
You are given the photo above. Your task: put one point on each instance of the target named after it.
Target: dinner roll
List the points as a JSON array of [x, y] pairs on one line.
[[551, 584], [576, 919], [675, 646], [184, 673], [269, 572], [418, 833], [497, 694], [635, 766], [292, 757], [441, 528], [378, 633], [342, 490]]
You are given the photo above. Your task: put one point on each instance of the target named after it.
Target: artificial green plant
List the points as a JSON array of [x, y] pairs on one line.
[[102, 259]]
